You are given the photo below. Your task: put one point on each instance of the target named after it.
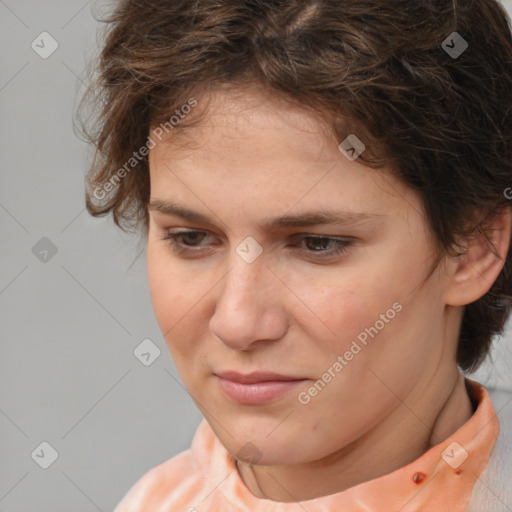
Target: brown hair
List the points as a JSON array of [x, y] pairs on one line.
[[380, 69]]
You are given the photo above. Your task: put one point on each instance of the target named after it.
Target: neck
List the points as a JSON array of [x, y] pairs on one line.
[[426, 417]]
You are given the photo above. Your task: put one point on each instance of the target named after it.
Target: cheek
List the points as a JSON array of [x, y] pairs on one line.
[[341, 305], [172, 294], [162, 287], [180, 305]]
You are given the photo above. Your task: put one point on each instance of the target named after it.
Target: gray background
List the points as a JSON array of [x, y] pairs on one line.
[[70, 321]]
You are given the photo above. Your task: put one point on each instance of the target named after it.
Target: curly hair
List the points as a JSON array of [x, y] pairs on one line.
[[388, 71]]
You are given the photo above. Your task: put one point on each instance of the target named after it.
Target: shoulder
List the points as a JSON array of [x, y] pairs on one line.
[[176, 480], [492, 491]]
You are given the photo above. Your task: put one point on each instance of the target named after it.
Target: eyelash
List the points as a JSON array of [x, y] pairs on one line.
[[340, 247]]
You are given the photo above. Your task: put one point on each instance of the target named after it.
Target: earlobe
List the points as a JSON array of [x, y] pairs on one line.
[[478, 268]]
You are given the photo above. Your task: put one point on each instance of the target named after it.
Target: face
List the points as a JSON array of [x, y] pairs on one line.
[[259, 283]]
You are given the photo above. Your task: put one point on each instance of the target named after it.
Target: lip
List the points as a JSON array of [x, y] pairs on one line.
[[256, 388]]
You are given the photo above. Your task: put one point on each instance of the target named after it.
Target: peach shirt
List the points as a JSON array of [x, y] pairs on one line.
[[204, 478]]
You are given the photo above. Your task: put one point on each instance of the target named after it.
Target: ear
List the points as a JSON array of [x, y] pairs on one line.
[[474, 273]]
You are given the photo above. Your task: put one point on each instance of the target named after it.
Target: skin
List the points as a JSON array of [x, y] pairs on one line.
[[294, 311]]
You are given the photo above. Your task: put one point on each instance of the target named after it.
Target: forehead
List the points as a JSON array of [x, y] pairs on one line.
[[243, 114], [277, 149]]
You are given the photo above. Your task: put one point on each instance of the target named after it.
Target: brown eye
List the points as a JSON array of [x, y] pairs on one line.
[[193, 237], [180, 241], [324, 246]]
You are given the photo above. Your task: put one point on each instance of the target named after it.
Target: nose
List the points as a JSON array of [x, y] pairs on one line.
[[248, 308]]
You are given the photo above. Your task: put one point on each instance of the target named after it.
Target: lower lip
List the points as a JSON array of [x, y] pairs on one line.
[[257, 393]]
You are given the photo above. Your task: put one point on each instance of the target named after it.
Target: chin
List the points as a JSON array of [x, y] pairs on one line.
[[257, 447]]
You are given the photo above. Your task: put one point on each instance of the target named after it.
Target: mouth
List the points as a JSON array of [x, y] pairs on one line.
[[256, 388]]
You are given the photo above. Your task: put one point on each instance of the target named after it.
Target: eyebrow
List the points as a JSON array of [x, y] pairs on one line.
[[311, 218]]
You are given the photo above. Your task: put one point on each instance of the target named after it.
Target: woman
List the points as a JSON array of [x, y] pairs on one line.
[[321, 186]]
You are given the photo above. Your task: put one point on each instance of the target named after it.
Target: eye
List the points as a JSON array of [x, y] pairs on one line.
[[181, 240], [315, 246], [324, 245]]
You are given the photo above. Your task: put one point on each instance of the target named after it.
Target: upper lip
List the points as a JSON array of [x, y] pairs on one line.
[[251, 378]]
